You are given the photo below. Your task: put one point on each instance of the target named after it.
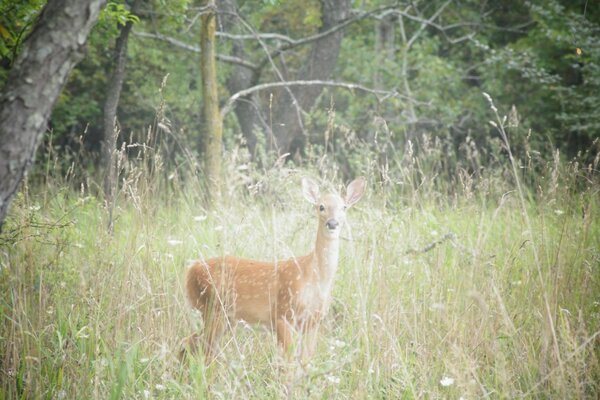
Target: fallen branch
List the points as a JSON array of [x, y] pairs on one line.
[[448, 236]]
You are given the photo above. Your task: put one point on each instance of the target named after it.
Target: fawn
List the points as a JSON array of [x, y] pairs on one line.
[[290, 296]]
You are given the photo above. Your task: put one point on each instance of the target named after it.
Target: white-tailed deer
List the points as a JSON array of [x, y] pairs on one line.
[[290, 296]]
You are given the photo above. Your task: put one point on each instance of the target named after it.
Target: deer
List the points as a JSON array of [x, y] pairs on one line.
[[289, 296]]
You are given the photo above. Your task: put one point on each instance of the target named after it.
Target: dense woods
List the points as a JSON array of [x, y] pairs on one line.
[[136, 135]]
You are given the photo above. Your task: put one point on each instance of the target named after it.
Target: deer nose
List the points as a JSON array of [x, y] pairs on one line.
[[332, 224]]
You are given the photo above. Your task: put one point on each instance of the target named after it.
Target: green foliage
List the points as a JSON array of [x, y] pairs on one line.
[[78, 110], [545, 77], [117, 12], [16, 21], [293, 18]]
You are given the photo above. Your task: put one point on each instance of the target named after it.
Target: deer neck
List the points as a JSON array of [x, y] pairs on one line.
[[326, 256]]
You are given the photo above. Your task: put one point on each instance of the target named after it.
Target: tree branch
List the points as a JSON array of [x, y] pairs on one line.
[[350, 86], [430, 22], [309, 39], [189, 47], [448, 236], [426, 22], [264, 36]]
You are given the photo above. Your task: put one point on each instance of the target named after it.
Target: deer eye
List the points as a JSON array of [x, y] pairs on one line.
[[321, 208]]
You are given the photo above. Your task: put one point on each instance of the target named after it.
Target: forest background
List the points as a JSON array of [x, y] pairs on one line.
[[427, 64]]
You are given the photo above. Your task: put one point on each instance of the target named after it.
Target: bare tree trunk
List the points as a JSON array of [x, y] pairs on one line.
[[384, 47], [34, 83], [287, 128], [213, 128], [110, 133], [247, 110]]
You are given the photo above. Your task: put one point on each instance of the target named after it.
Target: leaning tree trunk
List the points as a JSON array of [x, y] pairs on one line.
[[34, 83], [287, 126], [110, 132], [213, 123]]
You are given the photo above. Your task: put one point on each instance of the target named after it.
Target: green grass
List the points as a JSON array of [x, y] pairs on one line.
[[90, 315]]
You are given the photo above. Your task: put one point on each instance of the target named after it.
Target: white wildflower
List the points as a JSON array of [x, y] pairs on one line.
[[447, 381]]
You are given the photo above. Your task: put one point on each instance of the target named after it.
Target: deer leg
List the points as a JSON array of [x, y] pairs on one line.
[[309, 343], [310, 333], [284, 337], [213, 330], [190, 346], [208, 340]]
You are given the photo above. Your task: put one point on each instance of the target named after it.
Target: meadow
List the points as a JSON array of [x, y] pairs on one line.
[[485, 285]]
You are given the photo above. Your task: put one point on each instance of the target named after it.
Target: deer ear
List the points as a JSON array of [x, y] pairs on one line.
[[355, 191], [310, 190]]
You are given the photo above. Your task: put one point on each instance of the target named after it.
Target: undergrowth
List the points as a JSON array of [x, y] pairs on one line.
[[452, 284]]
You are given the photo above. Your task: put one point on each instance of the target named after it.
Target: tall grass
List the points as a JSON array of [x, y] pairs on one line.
[[504, 303]]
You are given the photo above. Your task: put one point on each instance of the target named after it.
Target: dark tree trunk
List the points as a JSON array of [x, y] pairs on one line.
[[247, 110], [287, 128], [287, 133], [34, 83], [384, 47], [110, 132]]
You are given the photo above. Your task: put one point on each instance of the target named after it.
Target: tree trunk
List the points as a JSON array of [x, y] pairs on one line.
[[34, 83], [247, 110], [287, 129], [110, 132], [384, 47], [213, 124]]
